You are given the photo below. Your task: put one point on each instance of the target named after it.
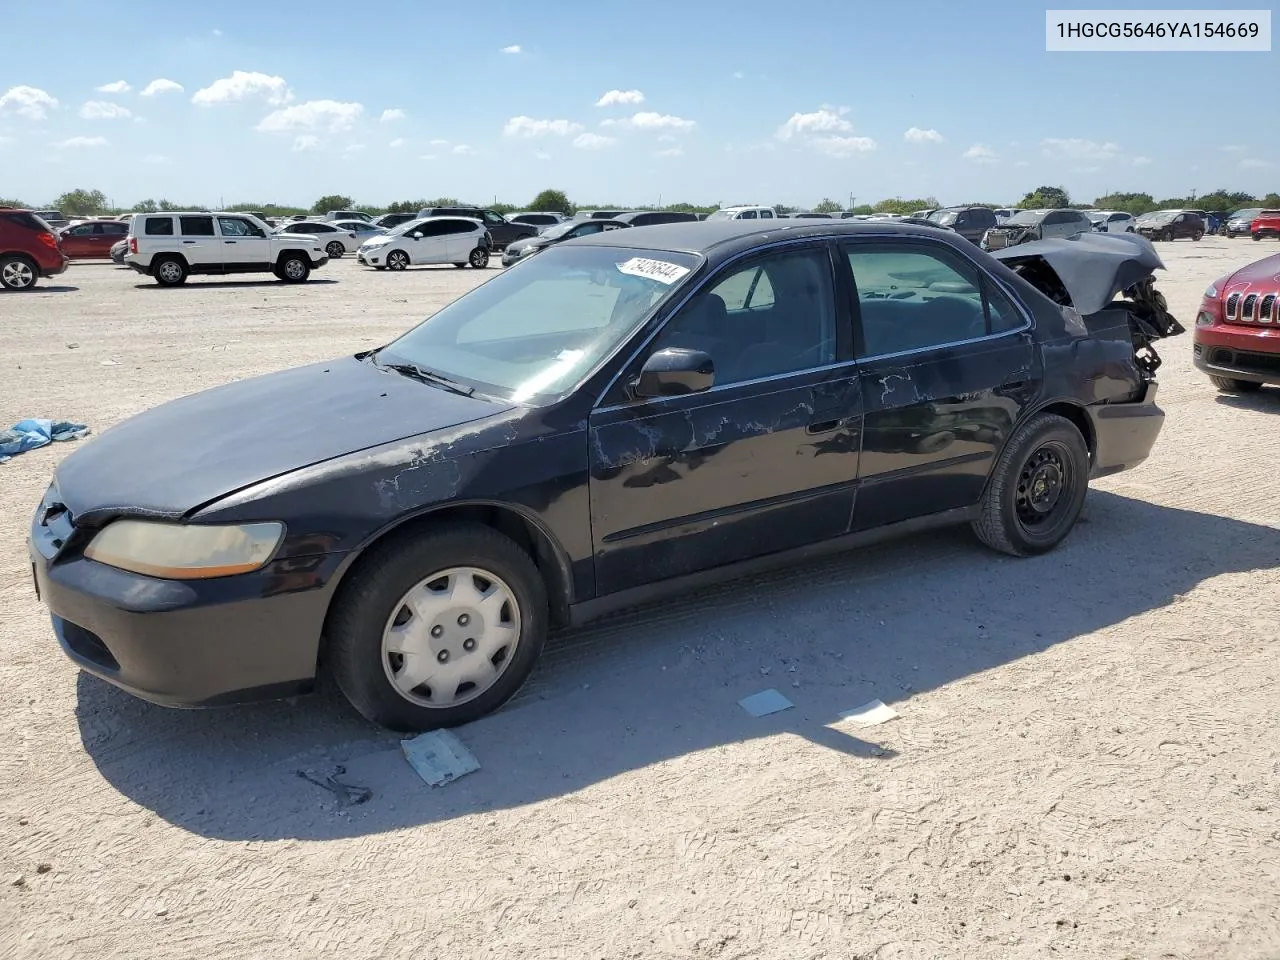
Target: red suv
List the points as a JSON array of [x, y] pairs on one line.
[[1237, 335], [29, 249], [1265, 224]]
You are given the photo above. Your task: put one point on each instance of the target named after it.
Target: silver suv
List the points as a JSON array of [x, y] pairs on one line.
[[1027, 225], [172, 246]]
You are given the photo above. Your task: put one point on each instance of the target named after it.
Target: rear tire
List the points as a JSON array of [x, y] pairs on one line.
[[335, 250], [1232, 385], [1037, 489], [170, 272], [293, 268], [372, 602], [18, 273]]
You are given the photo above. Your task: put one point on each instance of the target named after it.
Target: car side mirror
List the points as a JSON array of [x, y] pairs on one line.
[[673, 372], [415, 235]]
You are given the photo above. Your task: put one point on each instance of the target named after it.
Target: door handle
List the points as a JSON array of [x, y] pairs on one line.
[[188, 241], [824, 426], [228, 241]]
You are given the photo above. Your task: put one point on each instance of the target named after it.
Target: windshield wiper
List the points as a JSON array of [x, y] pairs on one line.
[[428, 376]]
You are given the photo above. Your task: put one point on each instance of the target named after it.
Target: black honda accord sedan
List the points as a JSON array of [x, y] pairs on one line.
[[621, 415]]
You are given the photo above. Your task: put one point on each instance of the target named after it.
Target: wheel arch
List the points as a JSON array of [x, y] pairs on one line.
[[290, 251], [159, 258], [521, 526], [1070, 410]]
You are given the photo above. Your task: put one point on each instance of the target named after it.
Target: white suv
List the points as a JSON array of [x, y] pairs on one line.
[[744, 213], [172, 246], [456, 240]]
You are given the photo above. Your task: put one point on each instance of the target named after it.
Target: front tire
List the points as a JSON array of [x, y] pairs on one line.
[[18, 273], [438, 629], [1167, 236], [1197, 235], [1232, 385], [335, 250], [397, 260], [1037, 489], [479, 258], [294, 268]]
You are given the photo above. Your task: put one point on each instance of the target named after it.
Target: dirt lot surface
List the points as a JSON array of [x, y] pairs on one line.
[[1086, 761]]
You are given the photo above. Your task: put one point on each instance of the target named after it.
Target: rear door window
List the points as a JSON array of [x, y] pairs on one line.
[[159, 227], [196, 226]]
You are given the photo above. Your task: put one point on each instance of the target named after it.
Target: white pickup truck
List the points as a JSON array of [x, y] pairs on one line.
[[172, 246]]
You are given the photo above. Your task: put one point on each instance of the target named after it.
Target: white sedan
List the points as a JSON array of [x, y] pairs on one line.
[[363, 230], [456, 240], [335, 240]]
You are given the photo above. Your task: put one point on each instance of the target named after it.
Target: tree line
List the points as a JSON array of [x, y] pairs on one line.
[[81, 203]]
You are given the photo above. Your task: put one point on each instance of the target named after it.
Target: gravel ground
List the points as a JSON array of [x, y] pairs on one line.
[[1085, 763]]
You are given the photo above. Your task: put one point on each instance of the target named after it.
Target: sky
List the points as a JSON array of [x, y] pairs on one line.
[[621, 103]]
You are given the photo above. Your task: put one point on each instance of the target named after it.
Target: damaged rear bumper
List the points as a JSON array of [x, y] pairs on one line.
[[1124, 433]]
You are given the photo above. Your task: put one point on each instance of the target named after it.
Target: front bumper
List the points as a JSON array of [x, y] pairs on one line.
[[1238, 352], [320, 261], [370, 258], [192, 643], [510, 256], [1124, 433]]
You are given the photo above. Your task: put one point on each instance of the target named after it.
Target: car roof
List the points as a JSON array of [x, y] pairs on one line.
[[719, 239]]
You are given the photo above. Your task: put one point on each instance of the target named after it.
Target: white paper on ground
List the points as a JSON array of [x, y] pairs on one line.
[[764, 703], [867, 715], [439, 757]]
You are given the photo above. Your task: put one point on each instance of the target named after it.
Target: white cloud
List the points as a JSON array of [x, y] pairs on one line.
[[1232, 148], [593, 141], [660, 121], [155, 158], [397, 142], [1249, 163], [118, 86], [161, 85], [823, 120], [104, 110], [981, 154], [216, 32], [462, 149], [738, 74], [916, 135], [514, 48], [324, 115], [843, 147], [612, 97], [354, 148], [439, 143], [75, 143], [4, 140], [1140, 161], [670, 152], [305, 142], [1074, 148], [394, 113], [528, 127], [30, 102], [245, 85]]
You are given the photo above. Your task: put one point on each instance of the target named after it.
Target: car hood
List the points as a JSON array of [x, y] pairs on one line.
[[1093, 267], [1263, 273], [529, 243], [177, 457]]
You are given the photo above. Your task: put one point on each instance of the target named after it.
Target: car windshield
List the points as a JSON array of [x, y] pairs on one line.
[[558, 230], [1160, 216], [720, 215], [943, 217], [532, 333], [1097, 216], [1026, 218], [1248, 213], [405, 227]]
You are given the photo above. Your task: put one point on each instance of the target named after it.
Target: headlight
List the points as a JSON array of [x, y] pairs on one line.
[[177, 551], [1212, 290]]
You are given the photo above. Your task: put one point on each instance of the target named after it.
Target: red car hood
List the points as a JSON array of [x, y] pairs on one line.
[[1256, 276]]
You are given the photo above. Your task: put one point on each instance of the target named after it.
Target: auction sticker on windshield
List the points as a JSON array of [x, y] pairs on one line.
[[659, 270]]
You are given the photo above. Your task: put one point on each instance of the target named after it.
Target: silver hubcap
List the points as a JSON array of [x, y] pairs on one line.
[[397, 261], [479, 258], [170, 272], [18, 274], [451, 637], [294, 270], [335, 249]]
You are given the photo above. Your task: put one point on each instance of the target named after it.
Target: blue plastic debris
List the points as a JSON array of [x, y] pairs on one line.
[[439, 757], [29, 434]]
